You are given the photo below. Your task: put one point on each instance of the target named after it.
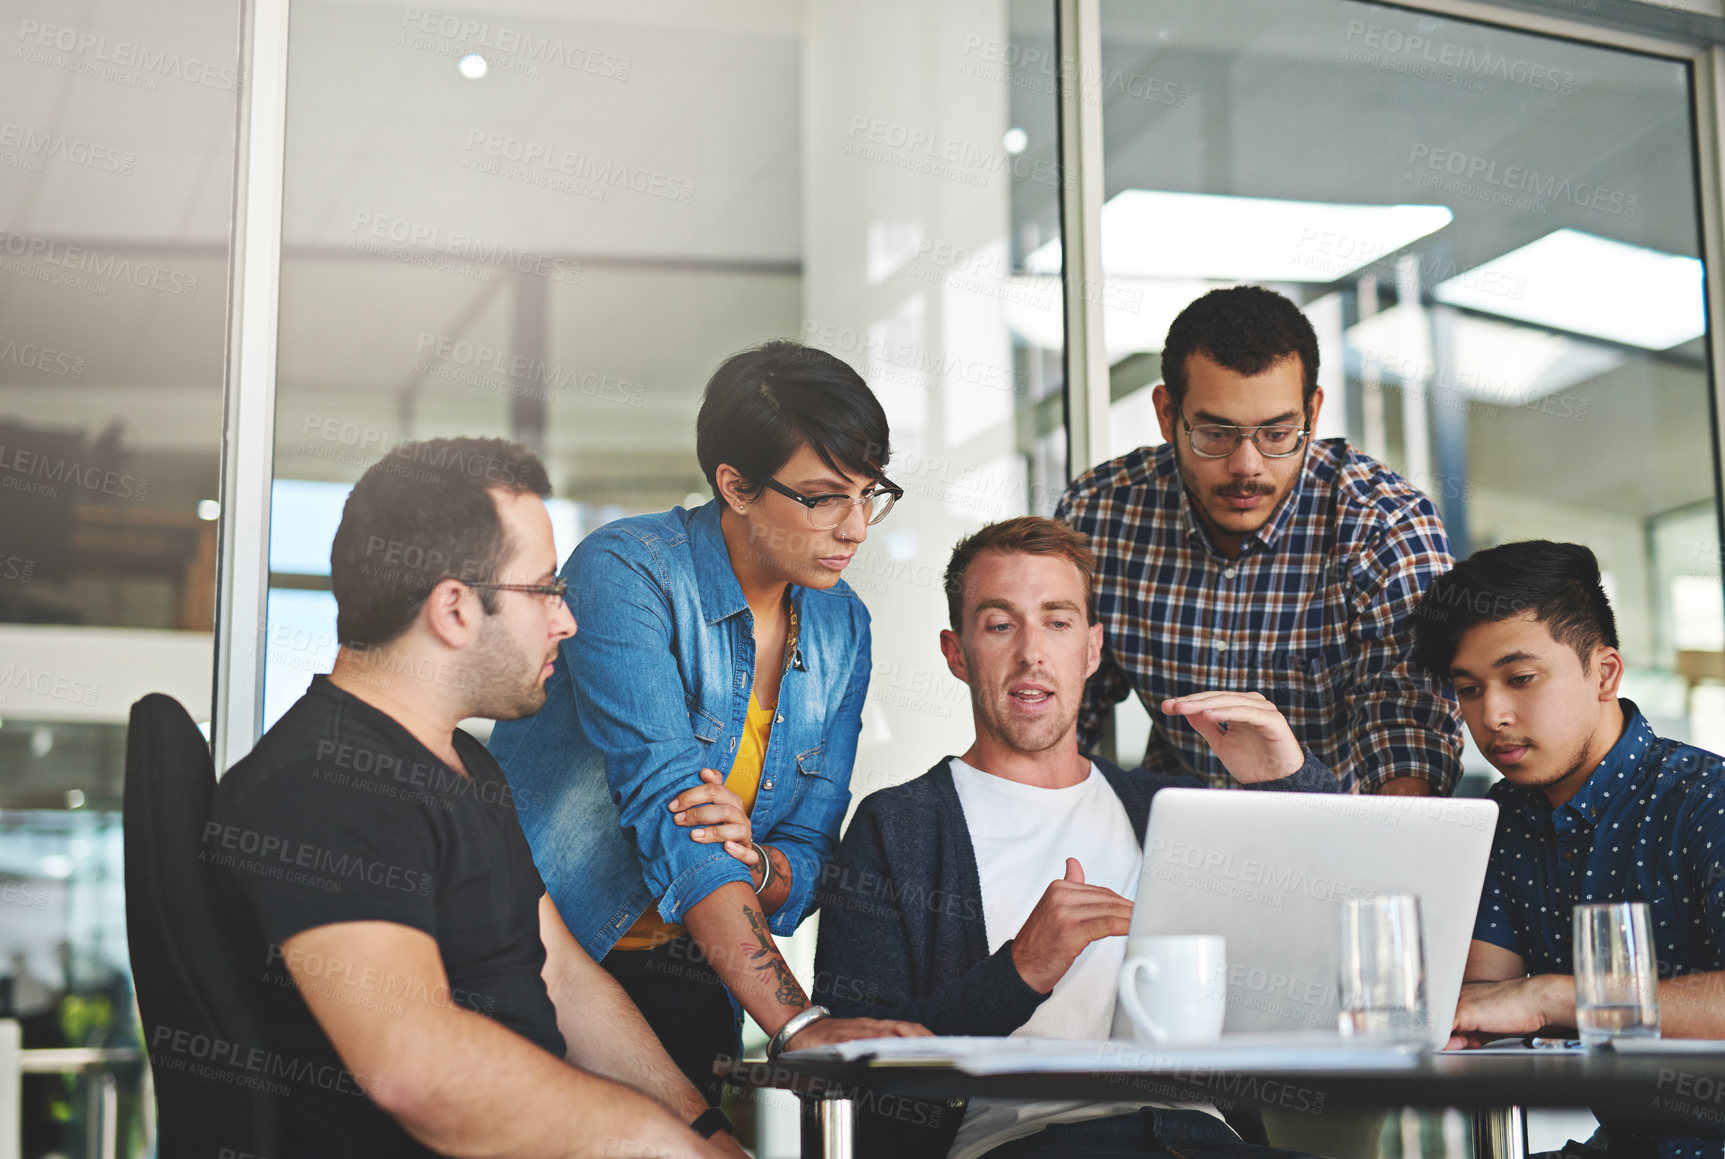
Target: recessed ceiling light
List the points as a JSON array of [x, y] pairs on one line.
[[1150, 234], [1136, 312], [1588, 284], [472, 66], [1498, 363], [1015, 141]]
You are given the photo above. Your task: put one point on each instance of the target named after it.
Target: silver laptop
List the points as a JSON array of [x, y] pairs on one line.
[[1270, 871]]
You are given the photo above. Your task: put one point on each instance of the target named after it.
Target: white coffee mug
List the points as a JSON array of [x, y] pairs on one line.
[[1174, 987]]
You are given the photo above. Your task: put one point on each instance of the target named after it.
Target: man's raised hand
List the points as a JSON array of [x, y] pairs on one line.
[[1069, 916], [1246, 732]]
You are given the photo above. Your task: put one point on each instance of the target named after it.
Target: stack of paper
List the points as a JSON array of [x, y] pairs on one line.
[[1293, 1051]]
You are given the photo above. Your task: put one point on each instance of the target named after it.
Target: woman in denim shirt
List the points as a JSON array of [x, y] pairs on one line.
[[683, 787]]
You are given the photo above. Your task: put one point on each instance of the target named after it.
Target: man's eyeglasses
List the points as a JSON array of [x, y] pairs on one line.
[[1218, 441], [551, 591], [828, 511]]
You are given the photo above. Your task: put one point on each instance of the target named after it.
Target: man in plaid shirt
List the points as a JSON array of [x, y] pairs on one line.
[[1240, 554]]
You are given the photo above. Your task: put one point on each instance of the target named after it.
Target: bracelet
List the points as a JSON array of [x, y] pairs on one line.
[[766, 869], [710, 1122], [799, 1022]]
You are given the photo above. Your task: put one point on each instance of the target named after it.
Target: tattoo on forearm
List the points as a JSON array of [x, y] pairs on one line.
[[788, 992]]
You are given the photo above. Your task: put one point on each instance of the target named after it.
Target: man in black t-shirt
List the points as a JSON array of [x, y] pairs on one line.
[[422, 994]]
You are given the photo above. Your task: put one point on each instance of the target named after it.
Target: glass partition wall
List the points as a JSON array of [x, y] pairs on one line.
[[116, 193]]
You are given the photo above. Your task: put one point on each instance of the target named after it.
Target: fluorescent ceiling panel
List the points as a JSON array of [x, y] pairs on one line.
[[1151, 234], [1587, 284], [1497, 363], [1136, 312]]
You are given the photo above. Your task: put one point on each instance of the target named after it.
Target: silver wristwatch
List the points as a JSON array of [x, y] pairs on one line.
[[799, 1022]]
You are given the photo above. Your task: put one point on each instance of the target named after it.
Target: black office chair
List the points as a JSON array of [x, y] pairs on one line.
[[191, 976]]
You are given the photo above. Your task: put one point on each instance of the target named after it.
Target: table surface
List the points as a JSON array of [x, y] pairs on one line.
[[1662, 1084]]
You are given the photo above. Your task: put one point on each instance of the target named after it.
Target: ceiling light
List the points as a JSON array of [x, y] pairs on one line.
[[1136, 312], [1495, 363], [1254, 239], [1015, 141], [472, 66], [1588, 284], [209, 510]]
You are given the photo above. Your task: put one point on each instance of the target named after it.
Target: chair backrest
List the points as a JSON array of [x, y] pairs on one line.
[[202, 1026]]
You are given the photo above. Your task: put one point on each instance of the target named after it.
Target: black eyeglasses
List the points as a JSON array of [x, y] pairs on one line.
[[551, 591], [828, 511], [1218, 440]]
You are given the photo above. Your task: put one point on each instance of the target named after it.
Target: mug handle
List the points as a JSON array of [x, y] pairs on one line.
[[1129, 996]]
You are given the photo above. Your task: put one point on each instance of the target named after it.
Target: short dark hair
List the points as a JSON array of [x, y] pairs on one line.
[[763, 404], [1246, 329], [420, 515], [1027, 535], [1558, 582]]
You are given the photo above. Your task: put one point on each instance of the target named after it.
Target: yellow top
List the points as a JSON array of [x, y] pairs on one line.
[[744, 780]]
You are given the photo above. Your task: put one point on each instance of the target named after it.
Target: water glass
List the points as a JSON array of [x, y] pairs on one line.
[[1383, 968], [1616, 973]]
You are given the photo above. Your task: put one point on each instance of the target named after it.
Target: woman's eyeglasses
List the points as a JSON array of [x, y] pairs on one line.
[[828, 511]]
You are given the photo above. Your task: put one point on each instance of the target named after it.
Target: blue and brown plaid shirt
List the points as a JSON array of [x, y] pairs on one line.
[[1316, 614]]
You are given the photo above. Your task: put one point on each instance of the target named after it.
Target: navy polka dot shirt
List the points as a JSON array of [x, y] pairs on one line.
[[1648, 825]]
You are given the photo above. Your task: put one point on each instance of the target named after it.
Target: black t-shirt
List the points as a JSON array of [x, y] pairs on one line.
[[340, 815]]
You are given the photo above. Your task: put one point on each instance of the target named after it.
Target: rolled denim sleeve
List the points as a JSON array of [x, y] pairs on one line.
[[808, 835], [626, 669]]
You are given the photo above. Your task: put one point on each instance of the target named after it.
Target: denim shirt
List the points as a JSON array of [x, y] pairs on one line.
[[654, 687]]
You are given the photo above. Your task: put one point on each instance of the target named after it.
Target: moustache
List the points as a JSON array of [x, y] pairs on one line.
[[1245, 490]]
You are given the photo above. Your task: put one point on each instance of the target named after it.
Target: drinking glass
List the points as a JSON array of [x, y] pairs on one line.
[[1383, 970], [1616, 973]]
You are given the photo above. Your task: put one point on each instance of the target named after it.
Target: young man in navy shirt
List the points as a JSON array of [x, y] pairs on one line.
[[1593, 806]]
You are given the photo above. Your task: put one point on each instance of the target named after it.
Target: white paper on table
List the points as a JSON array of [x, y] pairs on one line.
[[1668, 1045], [922, 1051], [1294, 1050]]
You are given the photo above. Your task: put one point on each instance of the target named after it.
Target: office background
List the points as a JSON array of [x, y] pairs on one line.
[[309, 231]]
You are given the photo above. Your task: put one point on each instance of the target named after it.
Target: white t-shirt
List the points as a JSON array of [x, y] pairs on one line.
[[1023, 835]]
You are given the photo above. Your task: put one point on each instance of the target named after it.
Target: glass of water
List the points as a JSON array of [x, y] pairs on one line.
[[1383, 968], [1616, 973]]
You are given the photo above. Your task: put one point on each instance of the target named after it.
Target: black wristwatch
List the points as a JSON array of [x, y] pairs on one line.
[[710, 1122]]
